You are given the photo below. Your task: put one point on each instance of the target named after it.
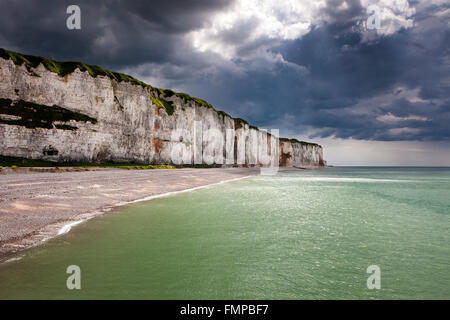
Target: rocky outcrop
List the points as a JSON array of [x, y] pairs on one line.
[[88, 115]]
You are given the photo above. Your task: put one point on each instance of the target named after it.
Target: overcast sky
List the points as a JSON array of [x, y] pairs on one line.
[[310, 68]]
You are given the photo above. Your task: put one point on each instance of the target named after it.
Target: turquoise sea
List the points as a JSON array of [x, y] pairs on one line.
[[297, 235]]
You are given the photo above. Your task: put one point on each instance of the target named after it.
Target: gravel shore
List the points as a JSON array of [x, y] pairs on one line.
[[35, 206]]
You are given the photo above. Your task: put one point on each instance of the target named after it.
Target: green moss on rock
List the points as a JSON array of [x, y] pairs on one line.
[[63, 68], [197, 101], [304, 142], [163, 104], [223, 114], [33, 115]]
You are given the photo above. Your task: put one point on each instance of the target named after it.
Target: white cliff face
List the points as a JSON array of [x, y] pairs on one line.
[[110, 121]]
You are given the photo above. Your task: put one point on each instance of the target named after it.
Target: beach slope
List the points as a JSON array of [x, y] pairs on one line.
[[38, 206]]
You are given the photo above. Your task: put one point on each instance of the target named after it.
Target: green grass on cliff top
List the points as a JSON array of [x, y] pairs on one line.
[[18, 162], [303, 142]]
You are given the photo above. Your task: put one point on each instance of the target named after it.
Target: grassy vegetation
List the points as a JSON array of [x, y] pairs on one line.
[[146, 167], [63, 68], [163, 104], [304, 142], [15, 162], [6, 161], [198, 166], [33, 115], [223, 114]]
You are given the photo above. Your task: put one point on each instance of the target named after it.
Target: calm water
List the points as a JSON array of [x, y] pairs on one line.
[[298, 235]]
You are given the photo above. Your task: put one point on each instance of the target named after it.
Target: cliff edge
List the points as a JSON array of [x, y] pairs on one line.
[[71, 111]]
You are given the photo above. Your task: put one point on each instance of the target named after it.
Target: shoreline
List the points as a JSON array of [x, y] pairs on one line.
[[67, 227], [39, 211]]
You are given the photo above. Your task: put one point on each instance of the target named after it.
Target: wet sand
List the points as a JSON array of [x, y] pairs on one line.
[[35, 206]]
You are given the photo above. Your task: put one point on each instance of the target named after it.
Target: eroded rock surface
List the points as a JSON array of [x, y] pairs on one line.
[[78, 117]]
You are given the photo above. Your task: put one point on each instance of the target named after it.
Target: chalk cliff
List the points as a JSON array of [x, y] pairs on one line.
[[67, 111]]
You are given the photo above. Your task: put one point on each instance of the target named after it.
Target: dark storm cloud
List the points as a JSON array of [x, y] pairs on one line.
[[114, 33], [394, 88], [331, 82], [342, 11], [416, 60]]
